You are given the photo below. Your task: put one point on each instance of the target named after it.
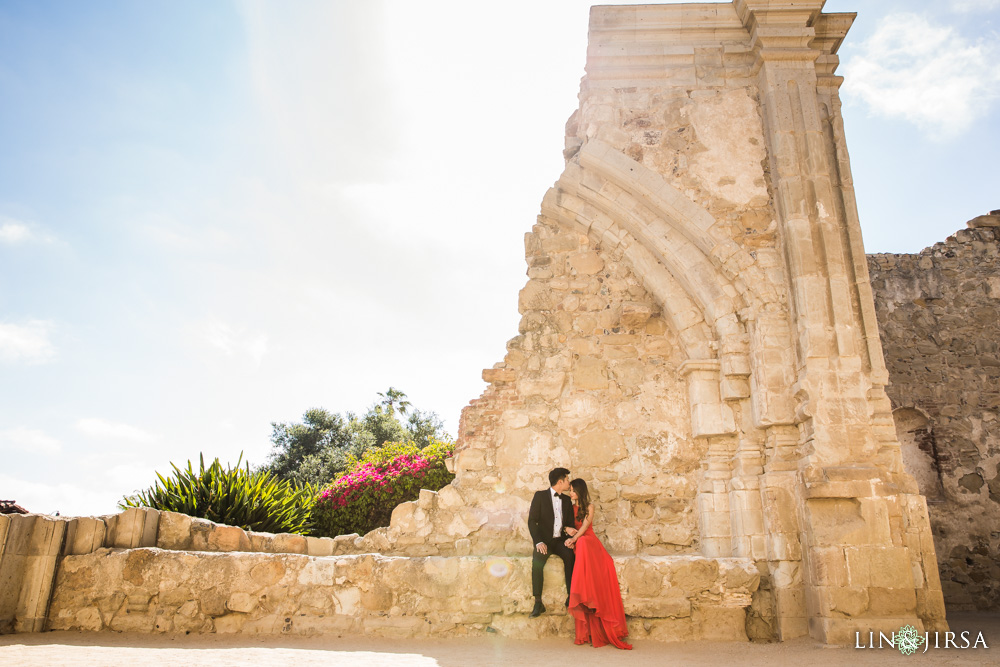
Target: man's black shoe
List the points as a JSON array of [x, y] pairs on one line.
[[538, 610]]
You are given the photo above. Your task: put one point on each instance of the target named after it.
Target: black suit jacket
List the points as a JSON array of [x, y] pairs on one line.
[[541, 516]]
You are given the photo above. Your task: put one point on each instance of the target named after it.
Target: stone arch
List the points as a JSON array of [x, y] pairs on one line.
[[707, 285]]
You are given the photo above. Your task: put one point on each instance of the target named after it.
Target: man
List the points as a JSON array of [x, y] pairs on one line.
[[550, 522]]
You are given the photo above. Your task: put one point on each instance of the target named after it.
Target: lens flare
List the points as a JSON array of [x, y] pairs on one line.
[[497, 567], [500, 488]]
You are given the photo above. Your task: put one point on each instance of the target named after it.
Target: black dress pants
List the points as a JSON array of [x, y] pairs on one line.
[[557, 546]]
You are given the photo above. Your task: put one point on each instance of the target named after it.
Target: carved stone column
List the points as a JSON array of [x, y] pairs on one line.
[[850, 501]]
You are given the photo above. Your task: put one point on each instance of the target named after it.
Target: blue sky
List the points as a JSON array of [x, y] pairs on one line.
[[217, 215]]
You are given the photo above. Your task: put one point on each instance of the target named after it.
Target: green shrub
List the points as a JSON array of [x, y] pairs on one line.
[[235, 496], [362, 498]]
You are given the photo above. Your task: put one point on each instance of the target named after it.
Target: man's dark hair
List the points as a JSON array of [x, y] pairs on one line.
[[557, 474]]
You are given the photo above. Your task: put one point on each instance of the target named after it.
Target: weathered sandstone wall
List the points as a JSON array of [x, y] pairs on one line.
[[939, 319], [150, 590], [698, 340], [698, 336], [149, 571]]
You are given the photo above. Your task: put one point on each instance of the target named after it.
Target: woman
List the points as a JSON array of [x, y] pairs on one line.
[[594, 598]]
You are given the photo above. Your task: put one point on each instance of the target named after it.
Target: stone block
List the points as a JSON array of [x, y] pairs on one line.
[[427, 499], [790, 602], [693, 575], [790, 627], [828, 566], [345, 544], [449, 497], [670, 629], [471, 460], [267, 572], [319, 546], [720, 623], [399, 627], [679, 534], [241, 602], [133, 528], [590, 373], [649, 534], [485, 605], [261, 542], [228, 538], [84, 535], [836, 521], [675, 605], [930, 604], [784, 547], [174, 531], [13, 560], [635, 315], [402, 518], [892, 601], [548, 385], [499, 375], [4, 527], [32, 549], [535, 295], [598, 448], [844, 600], [586, 263], [289, 543], [786, 574], [881, 567], [708, 419], [643, 579]]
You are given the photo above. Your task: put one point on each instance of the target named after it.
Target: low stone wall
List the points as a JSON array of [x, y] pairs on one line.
[[668, 598], [149, 571]]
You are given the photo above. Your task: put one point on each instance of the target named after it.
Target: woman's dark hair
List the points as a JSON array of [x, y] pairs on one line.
[[582, 495], [557, 474]]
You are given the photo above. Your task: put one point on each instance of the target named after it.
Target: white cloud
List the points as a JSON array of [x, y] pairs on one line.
[[967, 6], [14, 231], [926, 74], [28, 343], [29, 440], [236, 341], [102, 428]]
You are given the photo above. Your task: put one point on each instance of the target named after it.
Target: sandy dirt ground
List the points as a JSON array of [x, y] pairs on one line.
[[78, 648]]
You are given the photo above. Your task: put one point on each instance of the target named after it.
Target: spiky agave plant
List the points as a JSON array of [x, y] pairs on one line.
[[236, 496]]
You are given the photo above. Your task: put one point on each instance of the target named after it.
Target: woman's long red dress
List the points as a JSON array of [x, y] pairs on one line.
[[595, 599]]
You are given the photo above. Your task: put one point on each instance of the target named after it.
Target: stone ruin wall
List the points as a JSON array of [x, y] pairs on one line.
[[708, 160], [938, 313], [158, 572], [698, 339], [595, 370]]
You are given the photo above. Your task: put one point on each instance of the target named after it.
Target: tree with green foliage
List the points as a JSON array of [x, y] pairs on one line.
[[322, 445], [392, 398], [319, 431]]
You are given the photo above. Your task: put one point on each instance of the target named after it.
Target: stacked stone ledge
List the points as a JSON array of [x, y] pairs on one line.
[[149, 571]]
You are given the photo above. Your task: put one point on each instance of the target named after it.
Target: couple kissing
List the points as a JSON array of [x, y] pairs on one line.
[[564, 525]]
